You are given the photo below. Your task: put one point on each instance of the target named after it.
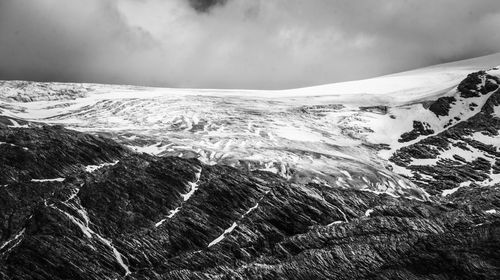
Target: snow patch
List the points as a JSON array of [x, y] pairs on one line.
[[451, 191], [48, 180], [89, 233], [193, 186], [368, 212], [346, 173], [222, 236], [496, 111], [388, 192], [334, 223], [170, 215], [250, 210], [154, 149], [14, 240], [491, 211], [17, 125], [92, 168], [493, 180], [486, 139], [13, 145]]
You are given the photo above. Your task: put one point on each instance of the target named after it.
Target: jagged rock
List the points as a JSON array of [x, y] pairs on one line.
[[449, 172], [419, 129], [236, 224], [441, 107]]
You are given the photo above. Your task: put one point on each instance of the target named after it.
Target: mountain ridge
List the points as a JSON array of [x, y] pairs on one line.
[[100, 182]]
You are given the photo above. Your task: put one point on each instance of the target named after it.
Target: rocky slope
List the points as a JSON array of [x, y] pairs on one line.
[[466, 151], [75, 206], [118, 182]]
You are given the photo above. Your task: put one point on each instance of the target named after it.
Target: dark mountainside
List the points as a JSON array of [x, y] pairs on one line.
[[78, 206], [449, 173]]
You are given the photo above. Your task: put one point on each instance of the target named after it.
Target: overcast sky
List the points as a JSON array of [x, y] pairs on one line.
[[262, 44]]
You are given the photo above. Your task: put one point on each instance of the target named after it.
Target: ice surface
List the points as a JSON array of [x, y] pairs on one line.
[[319, 133]]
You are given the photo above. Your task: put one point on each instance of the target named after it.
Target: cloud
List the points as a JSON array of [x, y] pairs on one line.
[[205, 5], [237, 43]]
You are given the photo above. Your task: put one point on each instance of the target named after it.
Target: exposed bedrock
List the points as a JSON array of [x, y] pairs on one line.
[[135, 216]]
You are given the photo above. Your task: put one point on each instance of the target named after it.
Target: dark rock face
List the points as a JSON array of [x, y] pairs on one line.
[[473, 85], [419, 129], [40, 151], [449, 172], [147, 217], [441, 107], [376, 109]]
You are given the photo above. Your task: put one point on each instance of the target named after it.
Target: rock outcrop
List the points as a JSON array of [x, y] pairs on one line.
[[102, 211], [463, 153]]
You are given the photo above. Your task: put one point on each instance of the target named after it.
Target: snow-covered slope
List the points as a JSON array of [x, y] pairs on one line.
[[340, 134]]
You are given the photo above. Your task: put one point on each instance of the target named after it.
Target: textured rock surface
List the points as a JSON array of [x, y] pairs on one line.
[[438, 161], [139, 218]]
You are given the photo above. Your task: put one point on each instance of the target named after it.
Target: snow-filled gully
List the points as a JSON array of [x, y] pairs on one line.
[[92, 168], [83, 223], [14, 241], [234, 224], [193, 188]]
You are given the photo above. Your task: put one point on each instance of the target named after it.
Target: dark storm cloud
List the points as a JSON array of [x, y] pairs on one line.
[[237, 43], [205, 5]]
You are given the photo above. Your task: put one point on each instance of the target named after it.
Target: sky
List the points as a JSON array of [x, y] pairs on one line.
[[250, 44]]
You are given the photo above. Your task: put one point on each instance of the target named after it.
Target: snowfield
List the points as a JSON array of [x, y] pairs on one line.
[[330, 133]]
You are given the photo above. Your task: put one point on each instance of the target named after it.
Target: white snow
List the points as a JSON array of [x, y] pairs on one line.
[[13, 145], [231, 228], [92, 168], [493, 180], [16, 239], [73, 194], [221, 237], [251, 209], [470, 154], [496, 111], [451, 191], [343, 214], [346, 173], [335, 223], [368, 212], [298, 128], [15, 124], [154, 149], [297, 134], [486, 139], [117, 254], [388, 192], [170, 215], [48, 180], [173, 212], [401, 170], [193, 186], [491, 211], [89, 233], [160, 222]]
